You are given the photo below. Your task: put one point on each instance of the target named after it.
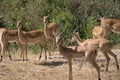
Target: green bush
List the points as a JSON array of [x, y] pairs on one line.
[[69, 14]]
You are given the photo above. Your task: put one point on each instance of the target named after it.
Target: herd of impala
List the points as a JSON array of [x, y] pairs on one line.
[[87, 48]]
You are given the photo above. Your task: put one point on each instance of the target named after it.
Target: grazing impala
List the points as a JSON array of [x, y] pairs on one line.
[[4, 43], [103, 44], [97, 32], [70, 53], [50, 31], [109, 24], [35, 36]]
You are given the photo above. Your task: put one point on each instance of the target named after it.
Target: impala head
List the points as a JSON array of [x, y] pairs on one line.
[[73, 39], [75, 36], [19, 23], [45, 19]]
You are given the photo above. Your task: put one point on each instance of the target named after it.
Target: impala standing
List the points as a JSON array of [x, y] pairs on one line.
[[70, 53], [50, 31], [4, 43], [35, 36]]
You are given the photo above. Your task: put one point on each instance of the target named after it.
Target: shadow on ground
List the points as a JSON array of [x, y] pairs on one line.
[[52, 64]]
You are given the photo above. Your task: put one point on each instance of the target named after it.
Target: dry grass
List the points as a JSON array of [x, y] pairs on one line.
[[55, 68]]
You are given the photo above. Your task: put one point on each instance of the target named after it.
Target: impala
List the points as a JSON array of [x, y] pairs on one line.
[[50, 31], [70, 53], [109, 24], [13, 37], [35, 36], [4, 43], [104, 45]]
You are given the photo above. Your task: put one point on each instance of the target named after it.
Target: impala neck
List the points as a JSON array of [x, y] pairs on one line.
[[45, 26], [79, 41], [46, 31], [59, 45], [20, 33]]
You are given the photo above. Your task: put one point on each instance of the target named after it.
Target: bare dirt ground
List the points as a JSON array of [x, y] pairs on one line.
[[56, 68]]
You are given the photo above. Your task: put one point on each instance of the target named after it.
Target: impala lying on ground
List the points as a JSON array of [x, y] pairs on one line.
[[97, 32], [35, 36], [104, 45], [70, 53], [109, 24], [50, 31], [4, 43]]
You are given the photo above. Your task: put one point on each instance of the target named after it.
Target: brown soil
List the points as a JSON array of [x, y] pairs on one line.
[[56, 68]]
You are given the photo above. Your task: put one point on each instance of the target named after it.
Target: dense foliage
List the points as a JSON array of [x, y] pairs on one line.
[[69, 14]]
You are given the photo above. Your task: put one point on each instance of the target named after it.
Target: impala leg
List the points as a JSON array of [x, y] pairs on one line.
[[1, 58], [23, 52], [45, 54], [1, 54], [8, 52], [108, 59], [49, 46], [53, 47], [40, 51], [70, 69], [115, 57], [81, 64], [42, 45], [91, 60], [2, 51], [26, 52], [20, 45]]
